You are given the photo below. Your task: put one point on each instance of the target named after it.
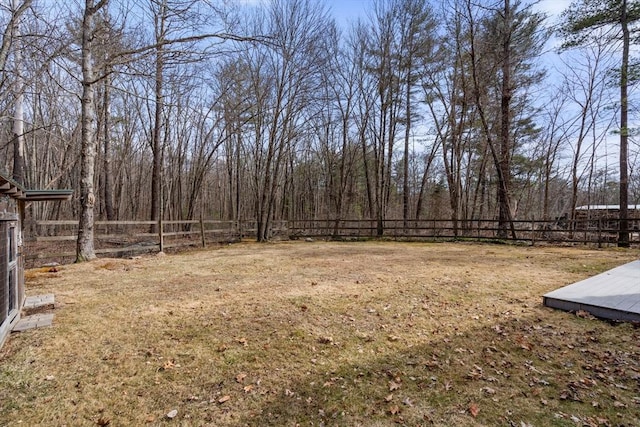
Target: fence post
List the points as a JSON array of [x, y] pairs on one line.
[[599, 232], [533, 231], [202, 234], [161, 232]]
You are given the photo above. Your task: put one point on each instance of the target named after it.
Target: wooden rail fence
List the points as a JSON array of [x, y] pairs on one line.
[[56, 239], [587, 231]]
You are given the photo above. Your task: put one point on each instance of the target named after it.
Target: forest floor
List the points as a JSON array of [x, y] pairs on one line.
[[316, 333]]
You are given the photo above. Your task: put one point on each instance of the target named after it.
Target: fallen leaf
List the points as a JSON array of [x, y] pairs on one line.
[[172, 414], [474, 409], [103, 422], [393, 385], [224, 398], [389, 398], [248, 388], [476, 374], [488, 390], [394, 409], [240, 377], [325, 340]]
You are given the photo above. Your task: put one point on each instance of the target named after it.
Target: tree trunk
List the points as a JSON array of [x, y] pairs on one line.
[[18, 114], [407, 135], [504, 164], [85, 249], [8, 36], [497, 154], [108, 171], [623, 236], [157, 146]]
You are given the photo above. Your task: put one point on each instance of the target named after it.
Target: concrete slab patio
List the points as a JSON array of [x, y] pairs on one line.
[[38, 301], [42, 320], [37, 320], [614, 294]]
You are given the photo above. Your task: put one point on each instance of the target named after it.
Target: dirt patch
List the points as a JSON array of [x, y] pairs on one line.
[[374, 333]]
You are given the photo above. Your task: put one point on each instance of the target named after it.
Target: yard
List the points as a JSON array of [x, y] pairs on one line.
[[316, 333]]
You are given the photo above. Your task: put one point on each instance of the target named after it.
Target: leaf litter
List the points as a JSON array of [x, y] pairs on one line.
[[388, 333]]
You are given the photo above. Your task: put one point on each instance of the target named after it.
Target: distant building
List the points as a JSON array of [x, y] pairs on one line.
[[13, 198], [607, 216]]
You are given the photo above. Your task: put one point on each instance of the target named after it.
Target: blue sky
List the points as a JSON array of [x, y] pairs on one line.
[[349, 10]]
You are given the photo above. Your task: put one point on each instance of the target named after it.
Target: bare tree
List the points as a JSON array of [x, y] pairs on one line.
[[18, 115], [85, 246], [11, 43], [417, 51], [283, 77], [585, 83], [17, 9], [448, 95]]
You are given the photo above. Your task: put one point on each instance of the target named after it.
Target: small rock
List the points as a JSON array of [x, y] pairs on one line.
[[160, 254], [172, 414]]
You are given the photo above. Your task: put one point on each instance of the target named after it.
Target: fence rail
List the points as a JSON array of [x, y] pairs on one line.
[[55, 240], [585, 231]]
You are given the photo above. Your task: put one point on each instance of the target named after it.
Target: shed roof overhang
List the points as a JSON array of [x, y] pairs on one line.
[[12, 189]]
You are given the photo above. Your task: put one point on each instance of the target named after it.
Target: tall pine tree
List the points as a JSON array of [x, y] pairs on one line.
[[580, 21]]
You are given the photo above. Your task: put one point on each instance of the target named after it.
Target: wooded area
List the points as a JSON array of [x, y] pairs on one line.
[[181, 109]]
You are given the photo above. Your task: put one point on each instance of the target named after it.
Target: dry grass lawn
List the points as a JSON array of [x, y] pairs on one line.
[[344, 334]]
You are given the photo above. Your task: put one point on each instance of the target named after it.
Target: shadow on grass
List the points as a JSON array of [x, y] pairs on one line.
[[544, 368]]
